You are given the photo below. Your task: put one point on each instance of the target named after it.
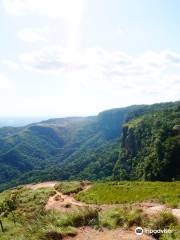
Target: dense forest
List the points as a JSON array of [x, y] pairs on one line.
[[137, 142]]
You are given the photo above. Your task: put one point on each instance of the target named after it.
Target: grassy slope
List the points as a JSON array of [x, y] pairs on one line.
[[34, 223], [130, 192], [30, 206]]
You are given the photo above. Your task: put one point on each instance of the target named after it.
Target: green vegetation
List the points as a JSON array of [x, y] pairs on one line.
[[69, 187], [121, 216], [132, 192], [150, 148], [128, 216], [53, 223], [112, 218], [133, 143], [27, 218], [33, 222], [29, 205], [166, 220]]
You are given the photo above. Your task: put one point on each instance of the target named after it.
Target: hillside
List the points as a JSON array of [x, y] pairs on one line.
[[137, 142], [94, 211], [150, 147]]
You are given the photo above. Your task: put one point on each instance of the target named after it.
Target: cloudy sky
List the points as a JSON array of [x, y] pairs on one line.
[[79, 57]]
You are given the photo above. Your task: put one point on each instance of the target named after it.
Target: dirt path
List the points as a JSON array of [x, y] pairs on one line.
[[153, 209], [59, 201], [87, 233], [63, 203], [41, 185]]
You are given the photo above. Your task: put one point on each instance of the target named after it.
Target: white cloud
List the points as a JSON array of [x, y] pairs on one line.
[[11, 64], [160, 59], [57, 59], [120, 31], [145, 78], [49, 8], [111, 64], [33, 35], [73, 77], [5, 84]]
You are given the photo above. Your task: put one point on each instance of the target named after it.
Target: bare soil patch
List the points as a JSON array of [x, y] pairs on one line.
[[41, 185], [153, 209], [87, 233], [63, 203]]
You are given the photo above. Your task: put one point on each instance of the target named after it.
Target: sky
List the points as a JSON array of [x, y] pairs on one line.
[[80, 57]]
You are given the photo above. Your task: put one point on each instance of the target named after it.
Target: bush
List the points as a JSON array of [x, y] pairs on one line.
[[77, 218], [57, 233], [134, 217], [111, 218], [126, 217], [165, 220]]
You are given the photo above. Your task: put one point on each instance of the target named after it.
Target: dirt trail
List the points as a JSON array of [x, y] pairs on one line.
[[153, 209], [62, 202], [59, 201], [41, 185], [87, 233], [65, 203]]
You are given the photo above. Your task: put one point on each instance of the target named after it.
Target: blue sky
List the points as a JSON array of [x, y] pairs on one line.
[[79, 57]]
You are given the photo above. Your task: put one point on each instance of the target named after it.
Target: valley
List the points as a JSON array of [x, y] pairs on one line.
[[140, 142]]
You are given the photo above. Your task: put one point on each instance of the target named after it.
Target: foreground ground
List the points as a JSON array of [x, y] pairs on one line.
[[99, 211]]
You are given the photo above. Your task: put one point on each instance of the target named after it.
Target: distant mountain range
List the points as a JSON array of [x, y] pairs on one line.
[[140, 142], [18, 121]]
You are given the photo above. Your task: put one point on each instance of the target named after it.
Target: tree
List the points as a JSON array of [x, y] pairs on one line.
[[8, 206], [2, 212], [11, 205]]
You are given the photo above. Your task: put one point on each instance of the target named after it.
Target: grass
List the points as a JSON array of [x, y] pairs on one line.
[[175, 235], [166, 220], [69, 187], [77, 218], [34, 223], [56, 225], [122, 217], [30, 206], [127, 217], [111, 218], [132, 192]]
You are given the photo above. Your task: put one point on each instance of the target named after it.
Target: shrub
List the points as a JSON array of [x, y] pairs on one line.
[[57, 233], [76, 218], [134, 217], [111, 218], [165, 220]]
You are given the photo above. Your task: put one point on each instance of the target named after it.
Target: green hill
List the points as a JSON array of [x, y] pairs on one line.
[[136, 142]]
